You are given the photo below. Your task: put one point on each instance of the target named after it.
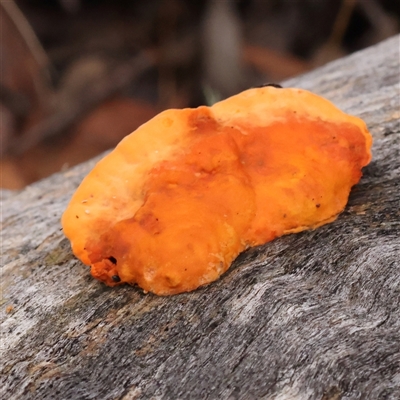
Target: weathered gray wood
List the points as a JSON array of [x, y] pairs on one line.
[[309, 316]]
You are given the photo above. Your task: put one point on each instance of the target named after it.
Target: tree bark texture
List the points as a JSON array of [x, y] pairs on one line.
[[314, 315]]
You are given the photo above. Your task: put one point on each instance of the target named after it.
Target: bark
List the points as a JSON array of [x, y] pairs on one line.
[[314, 315]]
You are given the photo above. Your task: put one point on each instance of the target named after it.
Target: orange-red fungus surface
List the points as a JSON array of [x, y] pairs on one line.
[[177, 200]]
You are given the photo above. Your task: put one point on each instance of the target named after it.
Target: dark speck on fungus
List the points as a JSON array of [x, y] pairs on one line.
[[275, 85]]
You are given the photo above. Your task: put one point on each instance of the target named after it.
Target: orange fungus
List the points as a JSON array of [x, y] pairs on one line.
[[177, 200]]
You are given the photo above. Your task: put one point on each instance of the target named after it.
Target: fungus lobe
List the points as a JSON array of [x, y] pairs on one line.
[[176, 201]]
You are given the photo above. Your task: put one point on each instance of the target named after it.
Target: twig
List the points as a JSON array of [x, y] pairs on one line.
[[341, 22], [26, 32], [382, 23], [59, 122]]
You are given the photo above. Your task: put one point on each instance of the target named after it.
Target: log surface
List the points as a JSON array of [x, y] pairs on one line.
[[314, 315]]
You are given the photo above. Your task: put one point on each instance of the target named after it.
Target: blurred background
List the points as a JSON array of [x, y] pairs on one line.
[[79, 75]]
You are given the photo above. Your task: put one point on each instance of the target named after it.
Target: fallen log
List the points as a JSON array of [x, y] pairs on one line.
[[314, 315]]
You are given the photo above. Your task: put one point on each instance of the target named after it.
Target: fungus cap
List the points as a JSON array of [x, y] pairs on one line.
[[177, 200]]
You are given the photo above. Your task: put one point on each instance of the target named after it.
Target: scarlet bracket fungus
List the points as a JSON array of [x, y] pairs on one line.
[[182, 196]]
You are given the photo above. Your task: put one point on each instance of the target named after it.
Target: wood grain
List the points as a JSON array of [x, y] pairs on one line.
[[314, 315]]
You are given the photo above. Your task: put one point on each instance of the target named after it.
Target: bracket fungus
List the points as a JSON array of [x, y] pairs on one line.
[[177, 200]]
